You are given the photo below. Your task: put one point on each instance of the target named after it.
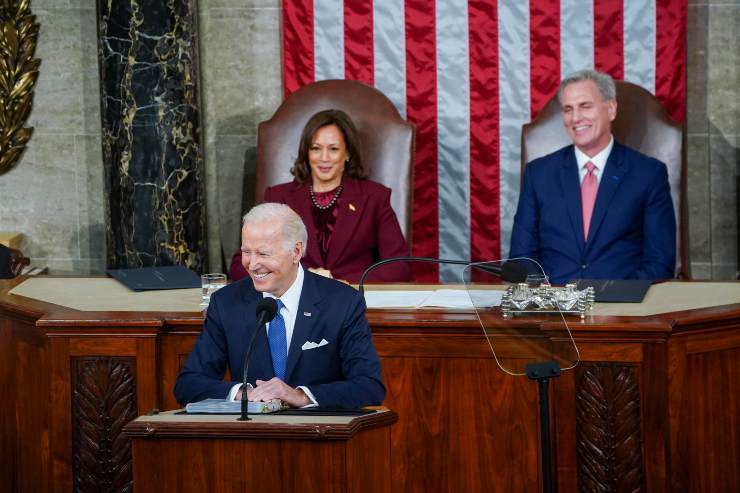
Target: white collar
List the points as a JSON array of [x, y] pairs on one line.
[[292, 296], [598, 160]]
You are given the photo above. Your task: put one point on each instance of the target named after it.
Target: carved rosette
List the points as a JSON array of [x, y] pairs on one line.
[[608, 438], [103, 402]]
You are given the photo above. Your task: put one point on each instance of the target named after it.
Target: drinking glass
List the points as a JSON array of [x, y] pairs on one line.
[[210, 283]]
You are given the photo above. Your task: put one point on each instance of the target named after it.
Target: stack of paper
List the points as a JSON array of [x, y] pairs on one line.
[[223, 406], [440, 298]]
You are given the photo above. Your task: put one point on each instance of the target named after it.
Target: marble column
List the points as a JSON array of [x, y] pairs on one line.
[[152, 151]]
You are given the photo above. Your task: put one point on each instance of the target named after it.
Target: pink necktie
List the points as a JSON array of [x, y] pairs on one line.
[[589, 187]]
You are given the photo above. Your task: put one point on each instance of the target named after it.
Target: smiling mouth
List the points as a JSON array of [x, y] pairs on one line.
[[581, 128], [259, 277]]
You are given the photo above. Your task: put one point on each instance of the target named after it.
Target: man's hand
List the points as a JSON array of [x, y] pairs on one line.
[[277, 389]]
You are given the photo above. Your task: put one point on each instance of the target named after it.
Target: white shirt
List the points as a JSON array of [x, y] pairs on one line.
[[599, 161], [290, 298]]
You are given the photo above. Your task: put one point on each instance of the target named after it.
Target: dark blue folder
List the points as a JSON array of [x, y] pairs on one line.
[[617, 291], [151, 278]]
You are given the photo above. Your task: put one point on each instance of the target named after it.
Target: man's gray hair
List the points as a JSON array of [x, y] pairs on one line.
[[293, 229], [603, 81]]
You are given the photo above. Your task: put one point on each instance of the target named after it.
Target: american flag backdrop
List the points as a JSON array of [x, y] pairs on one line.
[[469, 74]]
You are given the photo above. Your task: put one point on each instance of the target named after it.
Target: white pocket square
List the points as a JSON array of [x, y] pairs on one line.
[[314, 345]]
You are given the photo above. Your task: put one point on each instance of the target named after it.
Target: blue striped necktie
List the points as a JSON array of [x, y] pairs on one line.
[[278, 343]]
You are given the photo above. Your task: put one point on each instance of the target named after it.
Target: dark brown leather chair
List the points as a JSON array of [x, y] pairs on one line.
[[643, 124], [387, 140]]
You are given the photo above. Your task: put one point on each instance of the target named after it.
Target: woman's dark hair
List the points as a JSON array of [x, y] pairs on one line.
[[301, 170]]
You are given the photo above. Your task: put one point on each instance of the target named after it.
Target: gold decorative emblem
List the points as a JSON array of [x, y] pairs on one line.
[[19, 70]]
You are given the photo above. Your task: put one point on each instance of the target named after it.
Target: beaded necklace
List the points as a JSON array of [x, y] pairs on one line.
[[331, 202]]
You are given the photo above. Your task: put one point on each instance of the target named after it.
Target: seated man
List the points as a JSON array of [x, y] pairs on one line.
[[5, 270], [318, 350], [595, 209]]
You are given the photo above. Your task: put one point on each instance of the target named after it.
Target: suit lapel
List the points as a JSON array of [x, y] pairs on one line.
[[300, 201], [611, 178], [260, 365], [305, 321], [351, 210], [572, 193]]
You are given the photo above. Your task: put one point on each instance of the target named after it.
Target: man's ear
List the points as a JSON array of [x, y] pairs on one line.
[[297, 249], [612, 109]]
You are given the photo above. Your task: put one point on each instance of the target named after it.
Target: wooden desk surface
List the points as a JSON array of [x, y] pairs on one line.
[[105, 294], [174, 423]]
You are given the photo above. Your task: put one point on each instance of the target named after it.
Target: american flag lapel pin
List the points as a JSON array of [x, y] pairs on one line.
[[306, 314], [352, 207]]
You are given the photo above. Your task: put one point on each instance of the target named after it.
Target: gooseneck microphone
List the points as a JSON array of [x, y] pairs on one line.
[[266, 310], [509, 271]]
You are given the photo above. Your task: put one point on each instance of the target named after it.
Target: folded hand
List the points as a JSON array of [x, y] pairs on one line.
[[277, 389]]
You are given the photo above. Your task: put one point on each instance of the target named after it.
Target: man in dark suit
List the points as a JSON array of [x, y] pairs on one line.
[[595, 209], [5, 272], [317, 351]]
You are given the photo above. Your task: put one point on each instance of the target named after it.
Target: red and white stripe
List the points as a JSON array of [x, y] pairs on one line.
[[469, 74]]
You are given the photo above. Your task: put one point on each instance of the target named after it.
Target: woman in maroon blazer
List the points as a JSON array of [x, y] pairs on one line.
[[349, 219]]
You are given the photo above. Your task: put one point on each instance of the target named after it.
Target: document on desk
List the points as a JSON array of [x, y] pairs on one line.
[[223, 406], [439, 298], [395, 299]]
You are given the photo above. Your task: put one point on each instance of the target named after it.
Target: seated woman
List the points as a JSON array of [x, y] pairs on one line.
[[349, 219]]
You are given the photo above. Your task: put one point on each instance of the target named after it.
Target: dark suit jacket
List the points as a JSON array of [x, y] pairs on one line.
[[633, 227], [344, 373], [366, 231], [5, 272]]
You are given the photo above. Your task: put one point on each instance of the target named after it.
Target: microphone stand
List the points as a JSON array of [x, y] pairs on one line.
[[262, 318], [507, 271], [542, 372], [361, 283]]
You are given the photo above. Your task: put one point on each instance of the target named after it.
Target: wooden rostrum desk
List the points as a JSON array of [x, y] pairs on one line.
[[653, 405], [272, 452]]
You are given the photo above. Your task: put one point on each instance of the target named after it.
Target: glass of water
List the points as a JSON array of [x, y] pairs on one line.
[[210, 283]]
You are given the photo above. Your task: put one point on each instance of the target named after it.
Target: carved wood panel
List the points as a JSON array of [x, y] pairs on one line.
[[103, 402], [608, 438]]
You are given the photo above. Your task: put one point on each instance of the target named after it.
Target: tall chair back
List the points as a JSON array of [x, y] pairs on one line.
[[387, 140]]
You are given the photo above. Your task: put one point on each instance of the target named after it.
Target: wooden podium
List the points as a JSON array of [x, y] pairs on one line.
[[199, 453], [652, 405]]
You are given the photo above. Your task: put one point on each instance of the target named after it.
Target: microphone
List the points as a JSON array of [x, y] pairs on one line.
[[509, 271], [266, 310]]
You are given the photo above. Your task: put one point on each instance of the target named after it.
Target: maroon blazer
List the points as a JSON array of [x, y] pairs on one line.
[[366, 230]]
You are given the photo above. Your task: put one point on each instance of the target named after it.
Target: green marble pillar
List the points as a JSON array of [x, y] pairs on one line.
[[152, 150]]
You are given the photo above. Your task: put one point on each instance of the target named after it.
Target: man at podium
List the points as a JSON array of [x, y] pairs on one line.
[[316, 351]]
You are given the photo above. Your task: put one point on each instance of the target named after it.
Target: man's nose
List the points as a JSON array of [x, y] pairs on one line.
[[248, 259]]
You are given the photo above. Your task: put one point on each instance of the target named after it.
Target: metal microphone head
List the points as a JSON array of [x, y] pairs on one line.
[[513, 272], [267, 308]]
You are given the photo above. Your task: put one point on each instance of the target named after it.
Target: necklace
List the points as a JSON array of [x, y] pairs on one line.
[[331, 203]]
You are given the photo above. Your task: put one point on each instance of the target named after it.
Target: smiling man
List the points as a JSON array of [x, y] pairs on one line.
[[595, 209], [317, 351]]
